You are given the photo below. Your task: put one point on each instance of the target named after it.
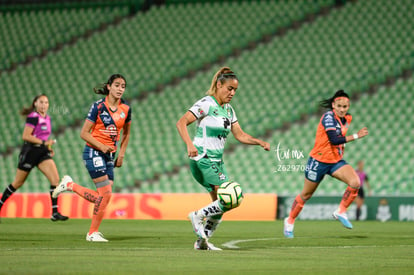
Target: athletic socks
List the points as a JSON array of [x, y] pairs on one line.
[[358, 213], [297, 206], [104, 196], [6, 194], [348, 197], [213, 209], [54, 200], [86, 193], [211, 225]]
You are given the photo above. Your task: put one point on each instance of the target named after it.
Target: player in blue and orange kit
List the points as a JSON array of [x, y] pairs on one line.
[[102, 131], [36, 151], [326, 158]]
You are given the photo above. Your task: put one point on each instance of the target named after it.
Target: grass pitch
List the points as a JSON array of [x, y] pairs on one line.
[[39, 246]]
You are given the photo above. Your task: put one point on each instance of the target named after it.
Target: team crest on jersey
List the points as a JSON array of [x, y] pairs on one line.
[[122, 115], [115, 116], [222, 176]]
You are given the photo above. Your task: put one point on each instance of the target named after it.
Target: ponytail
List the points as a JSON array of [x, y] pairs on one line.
[[221, 75], [102, 89], [327, 103]]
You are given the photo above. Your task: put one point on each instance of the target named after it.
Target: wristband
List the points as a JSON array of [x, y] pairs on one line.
[[43, 142], [355, 136]]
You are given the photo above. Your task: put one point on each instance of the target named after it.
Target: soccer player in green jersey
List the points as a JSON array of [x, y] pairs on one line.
[[215, 119]]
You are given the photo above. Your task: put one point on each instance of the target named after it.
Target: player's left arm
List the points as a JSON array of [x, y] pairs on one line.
[[245, 138], [124, 143]]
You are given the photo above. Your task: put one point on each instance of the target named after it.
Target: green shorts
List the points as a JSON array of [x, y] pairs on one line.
[[208, 173]]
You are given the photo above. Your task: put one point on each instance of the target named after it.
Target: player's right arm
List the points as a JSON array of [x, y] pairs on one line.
[[29, 137], [28, 133], [87, 136], [181, 125]]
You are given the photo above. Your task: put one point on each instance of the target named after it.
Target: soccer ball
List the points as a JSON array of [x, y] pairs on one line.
[[230, 194]]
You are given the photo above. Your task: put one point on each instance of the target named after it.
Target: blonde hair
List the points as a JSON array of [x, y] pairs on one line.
[[221, 75]]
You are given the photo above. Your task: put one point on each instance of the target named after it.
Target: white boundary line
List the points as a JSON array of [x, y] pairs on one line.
[[234, 244]]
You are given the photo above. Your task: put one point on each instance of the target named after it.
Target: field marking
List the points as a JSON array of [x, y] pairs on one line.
[[233, 244]]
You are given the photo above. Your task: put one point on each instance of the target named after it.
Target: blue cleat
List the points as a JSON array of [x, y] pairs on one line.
[[288, 229], [343, 218]]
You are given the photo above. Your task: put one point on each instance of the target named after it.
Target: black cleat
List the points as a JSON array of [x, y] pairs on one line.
[[58, 217]]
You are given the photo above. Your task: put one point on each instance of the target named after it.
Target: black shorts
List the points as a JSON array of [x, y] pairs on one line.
[[31, 155], [361, 193]]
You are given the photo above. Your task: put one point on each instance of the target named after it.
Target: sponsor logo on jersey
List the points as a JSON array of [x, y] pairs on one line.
[[97, 162], [312, 175], [329, 121], [106, 120], [110, 130]]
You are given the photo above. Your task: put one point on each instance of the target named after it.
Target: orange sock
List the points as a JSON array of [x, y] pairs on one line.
[[296, 208], [101, 202], [86, 193], [348, 197]]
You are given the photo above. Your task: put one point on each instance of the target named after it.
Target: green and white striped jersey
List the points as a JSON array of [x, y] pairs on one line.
[[213, 125]]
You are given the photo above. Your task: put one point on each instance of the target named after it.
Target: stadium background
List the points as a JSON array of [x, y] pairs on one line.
[[288, 56]]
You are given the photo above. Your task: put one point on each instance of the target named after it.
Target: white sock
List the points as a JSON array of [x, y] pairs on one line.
[[211, 225], [213, 209]]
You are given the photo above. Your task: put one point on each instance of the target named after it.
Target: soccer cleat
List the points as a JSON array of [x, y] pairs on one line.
[[200, 244], [211, 246], [203, 244], [198, 226], [343, 218], [95, 237], [62, 187], [288, 229], [58, 217]]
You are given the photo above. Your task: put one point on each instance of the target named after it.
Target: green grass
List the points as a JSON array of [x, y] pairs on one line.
[[39, 246]]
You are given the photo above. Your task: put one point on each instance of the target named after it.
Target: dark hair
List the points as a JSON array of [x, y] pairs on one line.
[[222, 75], [103, 89], [27, 110], [327, 103]]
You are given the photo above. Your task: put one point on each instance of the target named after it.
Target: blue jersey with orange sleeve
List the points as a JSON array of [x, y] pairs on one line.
[[324, 150], [107, 123]]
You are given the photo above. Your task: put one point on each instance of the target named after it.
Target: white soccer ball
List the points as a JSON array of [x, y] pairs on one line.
[[230, 194]]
